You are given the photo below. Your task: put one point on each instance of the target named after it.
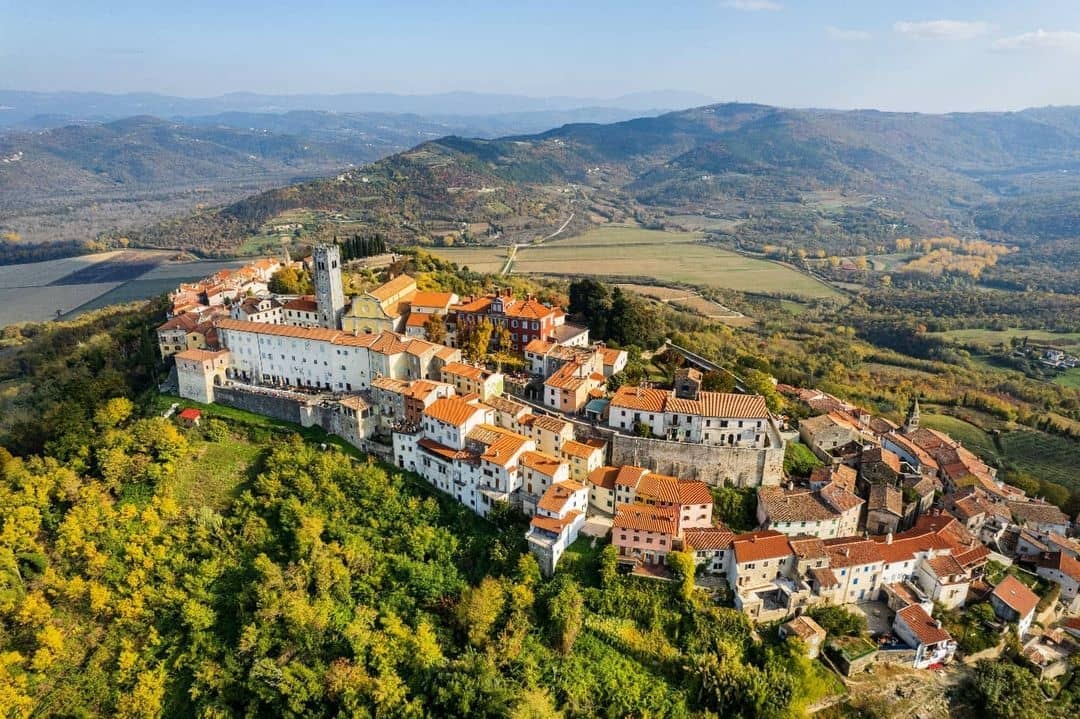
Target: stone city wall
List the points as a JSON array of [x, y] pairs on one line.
[[715, 465]]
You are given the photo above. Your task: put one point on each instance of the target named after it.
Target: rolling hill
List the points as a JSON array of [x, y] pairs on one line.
[[839, 176]]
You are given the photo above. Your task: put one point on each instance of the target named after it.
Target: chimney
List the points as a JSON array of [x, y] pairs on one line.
[[937, 623], [888, 538]]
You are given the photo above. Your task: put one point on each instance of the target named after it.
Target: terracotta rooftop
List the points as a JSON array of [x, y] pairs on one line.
[[569, 377], [443, 451], [945, 566], [302, 304], [551, 424], [852, 552], [642, 399], [1037, 512], [880, 455], [887, 498], [643, 518], [825, 577], [1014, 594], [572, 448], [838, 474], [439, 300], [610, 355], [760, 545], [452, 410], [200, 355], [468, 371], [804, 628], [708, 538], [922, 625], [604, 477], [840, 498], [1062, 562], [552, 524], [721, 404], [557, 495], [629, 475], [806, 547], [800, 505], [904, 546], [506, 406], [540, 346], [500, 445], [543, 463], [393, 287]]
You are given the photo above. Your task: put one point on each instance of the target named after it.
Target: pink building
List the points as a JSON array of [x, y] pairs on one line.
[[644, 533]]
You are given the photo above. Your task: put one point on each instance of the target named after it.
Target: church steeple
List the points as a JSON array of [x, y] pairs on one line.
[[912, 422]]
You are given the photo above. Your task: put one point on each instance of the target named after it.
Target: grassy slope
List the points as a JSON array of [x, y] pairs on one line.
[[633, 252]]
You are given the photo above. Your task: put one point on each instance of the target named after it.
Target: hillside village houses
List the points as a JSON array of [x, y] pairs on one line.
[[900, 519]]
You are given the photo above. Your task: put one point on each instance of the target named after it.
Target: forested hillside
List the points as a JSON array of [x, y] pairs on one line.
[[839, 182], [147, 569]]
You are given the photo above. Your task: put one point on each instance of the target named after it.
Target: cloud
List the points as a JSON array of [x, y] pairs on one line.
[[942, 29], [1040, 40], [837, 33], [752, 5]]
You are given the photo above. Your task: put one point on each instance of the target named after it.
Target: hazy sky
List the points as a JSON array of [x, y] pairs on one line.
[[911, 55]]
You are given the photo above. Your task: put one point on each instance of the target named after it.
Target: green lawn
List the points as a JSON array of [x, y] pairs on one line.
[[210, 473], [966, 433], [630, 252], [1069, 379]]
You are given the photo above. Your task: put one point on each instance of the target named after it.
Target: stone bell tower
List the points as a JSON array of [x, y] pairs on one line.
[[329, 292]]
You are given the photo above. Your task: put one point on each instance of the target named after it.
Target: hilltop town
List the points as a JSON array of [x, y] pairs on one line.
[[899, 523]]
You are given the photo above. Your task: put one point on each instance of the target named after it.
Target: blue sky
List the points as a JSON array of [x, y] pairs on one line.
[[925, 56]]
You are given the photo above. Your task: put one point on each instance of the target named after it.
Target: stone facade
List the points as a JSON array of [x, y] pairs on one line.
[[715, 465]]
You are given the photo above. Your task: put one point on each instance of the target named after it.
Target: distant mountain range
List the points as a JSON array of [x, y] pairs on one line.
[[35, 110], [858, 174]]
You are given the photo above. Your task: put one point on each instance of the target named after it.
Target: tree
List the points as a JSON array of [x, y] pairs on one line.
[[435, 329], [290, 281], [479, 609], [1003, 690], [590, 299], [837, 620], [608, 565], [799, 460], [682, 564], [567, 612], [761, 383], [713, 381], [736, 508]]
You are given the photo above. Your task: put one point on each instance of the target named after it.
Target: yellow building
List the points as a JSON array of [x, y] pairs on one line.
[[468, 379], [381, 309]]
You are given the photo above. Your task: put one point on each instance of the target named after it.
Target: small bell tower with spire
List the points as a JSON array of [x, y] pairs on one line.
[[911, 423]]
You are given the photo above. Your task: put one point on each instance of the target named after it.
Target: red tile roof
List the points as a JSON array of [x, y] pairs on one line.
[[200, 355], [543, 463], [392, 287], [452, 410], [643, 518], [573, 448], [922, 625], [852, 552], [764, 544], [603, 477], [431, 299], [708, 538], [190, 414], [1062, 562], [557, 495], [1013, 593], [642, 399]]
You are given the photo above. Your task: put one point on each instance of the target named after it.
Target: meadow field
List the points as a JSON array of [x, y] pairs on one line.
[[621, 251], [1068, 341]]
